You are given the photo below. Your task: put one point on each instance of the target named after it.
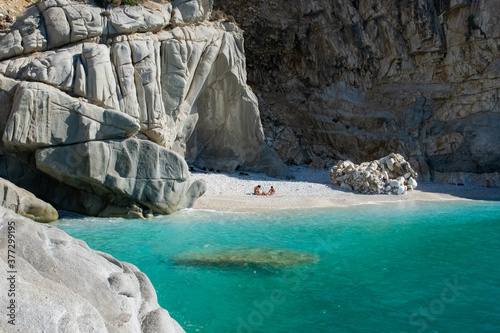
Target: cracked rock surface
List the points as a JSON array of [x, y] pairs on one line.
[[358, 80], [82, 83], [64, 286]]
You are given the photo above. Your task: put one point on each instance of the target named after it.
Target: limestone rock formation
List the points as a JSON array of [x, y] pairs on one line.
[[388, 175], [25, 203], [43, 116], [361, 79], [64, 286], [98, 85], [130, 171]]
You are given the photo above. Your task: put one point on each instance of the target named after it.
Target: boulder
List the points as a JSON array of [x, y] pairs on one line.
[[44, 116], [115, 101], [87, 290], [25, 203], [131, 19], [186, 12], [130, 171], [383, 176], [58, 28]]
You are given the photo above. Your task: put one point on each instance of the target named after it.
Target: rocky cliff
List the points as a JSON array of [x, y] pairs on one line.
[[102, 107], [360, 79], [58, 284]]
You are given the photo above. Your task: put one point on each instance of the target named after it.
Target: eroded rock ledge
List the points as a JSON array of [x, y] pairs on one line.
[[106, 105], [64, 286], [25, 203]]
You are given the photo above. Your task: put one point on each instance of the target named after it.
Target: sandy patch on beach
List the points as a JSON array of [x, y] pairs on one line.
[[312, 189]]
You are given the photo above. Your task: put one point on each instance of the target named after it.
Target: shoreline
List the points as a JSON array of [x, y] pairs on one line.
[[312, 189]]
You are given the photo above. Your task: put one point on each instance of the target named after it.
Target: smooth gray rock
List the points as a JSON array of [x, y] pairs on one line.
[[84, 21], [186, 12], [99, 76], [170, 81], [8, 89], [44, 116], [19, 171], [58, 28], [56, 69], [86, 290], [11, 45], [25, 203], [32, 30], [130, 170], [131, 19], [101, 85]]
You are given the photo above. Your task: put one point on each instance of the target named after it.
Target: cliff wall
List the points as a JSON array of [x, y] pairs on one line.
[[106, 105], [360, 79]]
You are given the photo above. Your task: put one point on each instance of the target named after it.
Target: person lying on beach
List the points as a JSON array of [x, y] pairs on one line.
[[271, 191]]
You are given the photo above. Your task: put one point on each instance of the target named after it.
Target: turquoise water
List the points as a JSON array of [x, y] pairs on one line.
[[404, 267]]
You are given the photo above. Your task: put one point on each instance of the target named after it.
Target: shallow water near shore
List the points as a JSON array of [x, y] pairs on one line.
[[393, 267]]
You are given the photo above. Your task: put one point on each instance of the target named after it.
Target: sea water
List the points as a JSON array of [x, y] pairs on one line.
[[398, 267]]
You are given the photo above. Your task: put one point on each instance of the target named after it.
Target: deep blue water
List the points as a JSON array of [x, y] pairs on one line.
[[398, 267]]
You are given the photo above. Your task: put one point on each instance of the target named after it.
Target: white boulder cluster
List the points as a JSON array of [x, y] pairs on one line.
[[391, 174]]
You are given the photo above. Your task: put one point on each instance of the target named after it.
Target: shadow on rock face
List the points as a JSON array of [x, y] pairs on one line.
[[243, 257]]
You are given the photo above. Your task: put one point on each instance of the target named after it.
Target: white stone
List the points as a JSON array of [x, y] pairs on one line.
[[401, 190], [412, 182], [394, 183], [390, 163], [88, 291]]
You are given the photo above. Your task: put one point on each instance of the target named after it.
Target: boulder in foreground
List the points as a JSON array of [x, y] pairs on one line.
[[64, 286], [128, 171]]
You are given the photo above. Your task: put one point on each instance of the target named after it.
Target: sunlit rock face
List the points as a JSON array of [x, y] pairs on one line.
[[81, 84], [87, 290], [25, 203], [243, 257], [358, 80], [388, 175]]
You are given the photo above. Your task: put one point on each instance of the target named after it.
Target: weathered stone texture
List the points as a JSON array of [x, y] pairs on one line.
[[25, 203], [100, 76], [43, 116], [128, 170], [361, 79], [64, 286]]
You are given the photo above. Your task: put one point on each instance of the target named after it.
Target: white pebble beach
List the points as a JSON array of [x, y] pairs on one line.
[[312, 189]]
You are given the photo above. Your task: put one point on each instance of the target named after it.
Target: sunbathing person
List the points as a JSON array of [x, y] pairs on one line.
[[256, 190], [271, 191]]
